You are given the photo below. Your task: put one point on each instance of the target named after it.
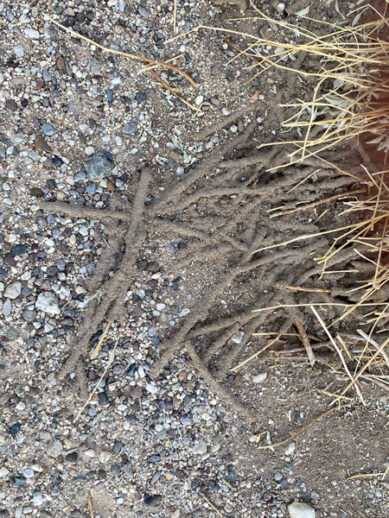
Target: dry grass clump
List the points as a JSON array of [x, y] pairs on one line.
[[350, 103]]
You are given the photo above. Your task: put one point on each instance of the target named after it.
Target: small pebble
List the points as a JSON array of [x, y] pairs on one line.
[[37, 499], [150, 387], [4, 472], [48, 129], [31, 33], [98, 166], [129, 128], [13, 290], [18, 250], [199, 448], [260, 378], [55, 448], [300, 510], [238, 337], [152, 500], [48, 303]]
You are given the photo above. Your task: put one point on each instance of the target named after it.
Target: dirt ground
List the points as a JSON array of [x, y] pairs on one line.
[[169, 250]]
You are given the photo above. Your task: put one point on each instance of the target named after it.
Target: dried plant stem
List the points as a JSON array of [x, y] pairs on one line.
[[296, 432], [135, 57]]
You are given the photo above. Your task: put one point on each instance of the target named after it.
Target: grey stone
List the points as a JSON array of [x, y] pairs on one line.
[[129, 128], [7, 307], [29, 315], [98, 166], [48, 129], [48, 303], [13, 290], [200, 448], [55, 448]]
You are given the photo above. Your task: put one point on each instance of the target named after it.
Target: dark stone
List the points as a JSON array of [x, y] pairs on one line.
[[153, 459], [57, 160], [131, 370], [108, 155], [18, 250], [37, 192], [129, 128], [69, 21], [230, 76], [51, 184], [10, 104], [117, 447], [40, 144], [72, 457], [52, 271], [14, 429], [20, 481], [152, 500], [103, 399], [140, 97], [109, 94], [153, 267], [90, 15]]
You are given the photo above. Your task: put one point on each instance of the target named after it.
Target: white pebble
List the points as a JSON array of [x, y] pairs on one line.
[[19, 51], [48, 303], [260, 378], [199, 100], [38, 499], [150, 387], [28, 473], [20, 406], [31, 33], [301, 510], [199, 448], [290, 448], [104, 456], [4, 472], [238, 337]]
